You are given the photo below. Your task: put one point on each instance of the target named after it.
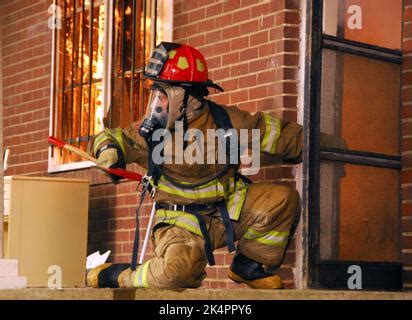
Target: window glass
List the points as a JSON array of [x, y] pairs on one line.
[[375, 22], [360, 102], [359, 210]]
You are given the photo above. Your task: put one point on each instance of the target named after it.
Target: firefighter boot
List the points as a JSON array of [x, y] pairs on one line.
[[108, 275], [245, 270]]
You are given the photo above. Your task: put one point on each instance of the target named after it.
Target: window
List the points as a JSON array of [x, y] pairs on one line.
[[97, 78], [354, 186]]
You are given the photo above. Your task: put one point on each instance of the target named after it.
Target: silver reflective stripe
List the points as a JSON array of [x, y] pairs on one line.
[[140, 280], [273, 238], [237, 199], [232, 205], [161, 52], [272, 133], [179, 218], [213, 190]]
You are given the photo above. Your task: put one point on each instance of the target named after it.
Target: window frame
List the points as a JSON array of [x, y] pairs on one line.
[[108, 74], [52, 166], [333, 273]]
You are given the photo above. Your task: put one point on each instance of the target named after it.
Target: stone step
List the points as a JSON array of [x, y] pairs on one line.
[[13, 283], [9, 268]]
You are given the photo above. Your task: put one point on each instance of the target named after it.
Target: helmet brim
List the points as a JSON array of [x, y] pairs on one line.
[[208, 83]]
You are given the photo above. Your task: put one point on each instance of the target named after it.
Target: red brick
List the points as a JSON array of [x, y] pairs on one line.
[[197, 15], [268, 21], [230, 5], [221, 48], [246, 3], [197, 41], [223, 21], [215, 62], [259, 65], [407, 242], [258, 92], [249, 27], [407, 46], [406, 259], [206, 25], [406, 225], [407, 15], [181, 19], [214, 36], [239, 43], [406, 95], [248, 80], [259, 10], [264, 104], [231, 32], [238, 96], [407, 63], [287, 17], [220, 74], [239, 69], [267, 49], [407, 30], [407, 144], [406, 208], [240, 16], [214, 9], [231, 58], [407, 78], [406, 112], [259, 38], [230, 85], [248, 54], [266, 76]]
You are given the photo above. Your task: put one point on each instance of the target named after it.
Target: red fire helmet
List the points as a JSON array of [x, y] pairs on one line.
[[179, 64]]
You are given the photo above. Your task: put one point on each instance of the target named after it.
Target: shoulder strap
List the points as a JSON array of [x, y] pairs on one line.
[[222, 120]]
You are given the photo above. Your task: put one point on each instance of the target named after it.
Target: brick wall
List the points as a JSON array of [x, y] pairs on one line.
[[26, 84], [406, 175], [251, 47]]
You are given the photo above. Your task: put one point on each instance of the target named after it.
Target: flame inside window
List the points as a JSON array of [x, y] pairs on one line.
[[80, 108]]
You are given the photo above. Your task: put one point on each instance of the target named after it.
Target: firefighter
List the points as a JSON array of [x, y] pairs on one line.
[[202, 206]]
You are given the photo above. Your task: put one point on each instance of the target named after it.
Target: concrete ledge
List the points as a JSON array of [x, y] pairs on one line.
[[196, 294]]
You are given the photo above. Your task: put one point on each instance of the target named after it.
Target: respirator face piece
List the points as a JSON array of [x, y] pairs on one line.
[[156, 114]]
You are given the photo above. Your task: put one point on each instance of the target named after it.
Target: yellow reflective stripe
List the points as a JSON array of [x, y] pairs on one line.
[[118, 136], [210, 190], [179, 218], [140, 278], [102, 137], [272, 134], [114, 135], [236, 200], [273, 238]]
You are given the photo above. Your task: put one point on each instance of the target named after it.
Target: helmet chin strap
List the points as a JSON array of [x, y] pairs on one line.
[[183, 110]]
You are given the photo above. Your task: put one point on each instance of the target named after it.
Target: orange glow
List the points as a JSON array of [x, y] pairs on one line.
[[98, 67]]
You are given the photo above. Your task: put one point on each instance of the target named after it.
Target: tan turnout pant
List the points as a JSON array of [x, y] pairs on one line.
[[263, 230]]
